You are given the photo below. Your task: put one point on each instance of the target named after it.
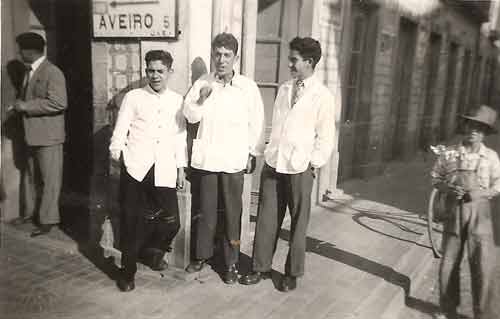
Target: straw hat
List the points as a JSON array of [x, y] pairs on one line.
[[485, 115]]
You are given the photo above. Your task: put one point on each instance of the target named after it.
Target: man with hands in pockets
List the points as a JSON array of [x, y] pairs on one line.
[[302, 140], [230, 111]]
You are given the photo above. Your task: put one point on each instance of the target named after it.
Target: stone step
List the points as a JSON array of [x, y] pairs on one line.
[[388, 298]]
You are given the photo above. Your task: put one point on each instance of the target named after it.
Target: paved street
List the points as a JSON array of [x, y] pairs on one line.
[[367, 256], [361, 256]]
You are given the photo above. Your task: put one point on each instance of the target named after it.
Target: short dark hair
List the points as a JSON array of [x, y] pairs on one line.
[[30, 41], [226, 40], [308, 48], [163, 56]]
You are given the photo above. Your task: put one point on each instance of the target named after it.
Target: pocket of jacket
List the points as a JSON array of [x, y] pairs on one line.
[[198, 153], [298, 159]]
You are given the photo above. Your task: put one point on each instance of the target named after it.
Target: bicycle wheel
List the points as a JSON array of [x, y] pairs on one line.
[[434, 227]]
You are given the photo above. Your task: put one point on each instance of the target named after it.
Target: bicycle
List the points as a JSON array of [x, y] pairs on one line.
[[434, 225]]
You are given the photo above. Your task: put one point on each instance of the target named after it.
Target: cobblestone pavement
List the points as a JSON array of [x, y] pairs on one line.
[[363, 252], [351, 252]]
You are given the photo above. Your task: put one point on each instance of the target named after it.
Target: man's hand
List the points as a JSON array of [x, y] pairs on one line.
[[250, 164], [476, 194], [448, 188], [19, 106], [115, 155], [204, 94], [179, 184]]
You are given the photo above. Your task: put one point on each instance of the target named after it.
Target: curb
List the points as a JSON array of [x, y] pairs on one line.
[[387, 299]]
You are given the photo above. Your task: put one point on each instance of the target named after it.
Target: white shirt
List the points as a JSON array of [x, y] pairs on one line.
[[151, 129], [35, 65], [304, 133], [231, 123]]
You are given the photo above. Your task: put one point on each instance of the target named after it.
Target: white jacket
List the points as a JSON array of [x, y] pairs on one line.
[[151, 129], [231, 123], [305, 133]]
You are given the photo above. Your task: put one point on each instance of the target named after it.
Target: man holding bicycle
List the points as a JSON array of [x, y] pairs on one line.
[[469, 176]]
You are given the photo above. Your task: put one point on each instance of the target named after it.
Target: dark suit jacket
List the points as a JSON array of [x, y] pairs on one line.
[[46, 102]]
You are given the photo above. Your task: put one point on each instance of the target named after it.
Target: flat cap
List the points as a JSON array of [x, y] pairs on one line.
[[30, 41]]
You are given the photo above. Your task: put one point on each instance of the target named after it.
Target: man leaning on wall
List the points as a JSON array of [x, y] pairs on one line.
[[42, 102]]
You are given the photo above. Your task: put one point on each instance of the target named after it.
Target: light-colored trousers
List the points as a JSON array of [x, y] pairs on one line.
[[43, 182]]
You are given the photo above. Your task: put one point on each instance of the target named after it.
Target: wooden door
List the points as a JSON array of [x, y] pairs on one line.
[[277, 25], [352, 127], [403, 68], [464, 82], [447, 122], [432, 66]]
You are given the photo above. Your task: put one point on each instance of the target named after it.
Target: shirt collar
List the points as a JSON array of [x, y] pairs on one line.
[[37, 63], [481, 152], [150, 90], [235, 81], [308, 82]]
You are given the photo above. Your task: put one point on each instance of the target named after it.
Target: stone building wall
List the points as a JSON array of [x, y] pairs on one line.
[[452, 26]]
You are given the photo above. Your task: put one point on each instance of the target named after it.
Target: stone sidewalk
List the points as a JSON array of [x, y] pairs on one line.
[[363, 252]]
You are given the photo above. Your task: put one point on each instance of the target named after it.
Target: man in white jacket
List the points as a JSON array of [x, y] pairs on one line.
[[150, 138], [230, 111], [302, 140]]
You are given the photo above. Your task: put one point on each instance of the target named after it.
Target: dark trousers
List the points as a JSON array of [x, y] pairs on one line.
[[482, 259], [139, 237], [279, 192], [230, 186], [42, 182]]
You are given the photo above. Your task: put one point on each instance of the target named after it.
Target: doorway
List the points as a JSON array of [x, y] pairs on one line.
[[277, 25], [397, 123], [427, 130], [66, 24], [449, 98], [355, 117]]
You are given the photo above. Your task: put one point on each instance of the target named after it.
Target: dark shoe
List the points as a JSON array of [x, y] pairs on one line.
[[22, 220], [196, 265], [156, 260], [288, 283], [159, 266], [42, 230], [254, 277], [231, 275], [125, 285]]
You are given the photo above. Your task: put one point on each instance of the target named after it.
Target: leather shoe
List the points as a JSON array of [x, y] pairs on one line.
[[125, 285], [231, 275], [156, 261], [42, 230], [196, 265], [288, 283], [254, 277], [159, 266], [22, 220]]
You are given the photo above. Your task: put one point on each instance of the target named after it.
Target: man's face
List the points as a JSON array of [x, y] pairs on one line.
[[26, 55], [474, 131], [299, 68], [224, 60], [157, 74]]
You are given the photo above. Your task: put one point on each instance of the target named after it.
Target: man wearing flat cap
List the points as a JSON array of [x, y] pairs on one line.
[[468, 174], [42, 102]]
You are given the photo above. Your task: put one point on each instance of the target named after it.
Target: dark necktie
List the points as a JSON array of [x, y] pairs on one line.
[[26, 80], [297, 92]]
